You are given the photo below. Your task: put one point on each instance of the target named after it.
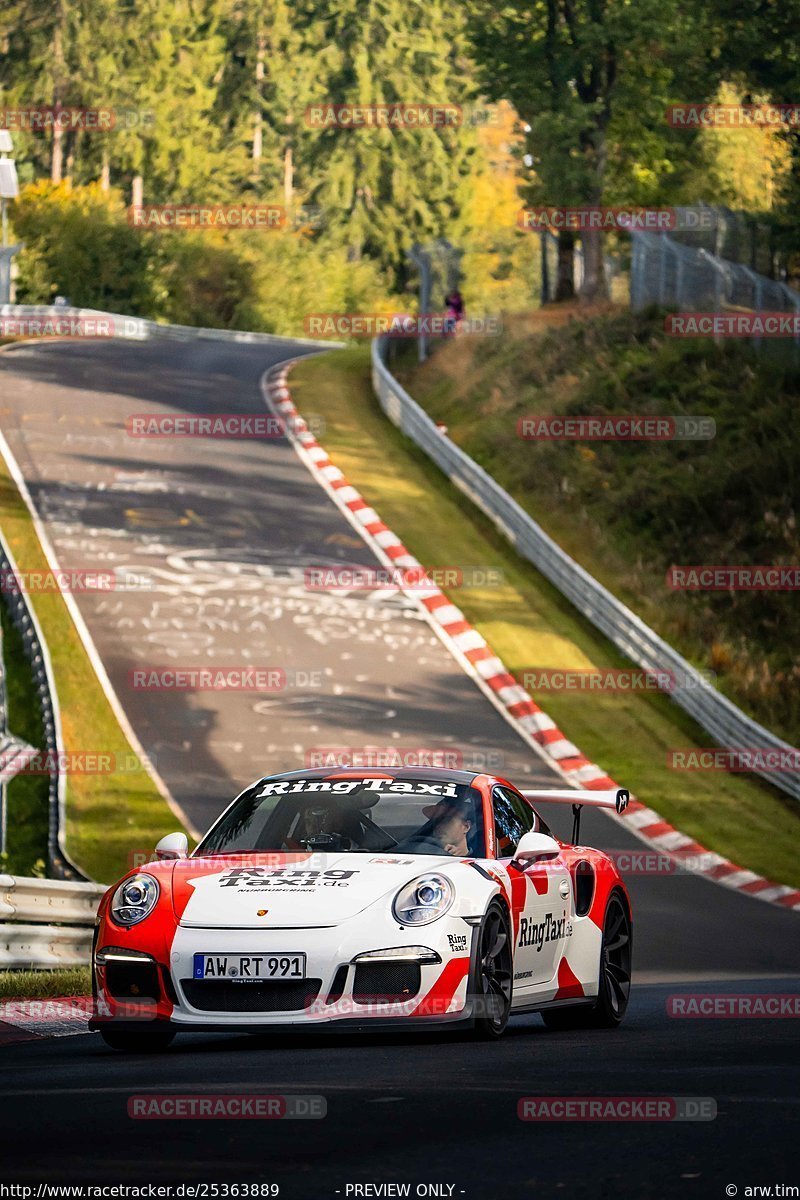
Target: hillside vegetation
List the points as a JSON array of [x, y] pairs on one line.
[[628, 511]]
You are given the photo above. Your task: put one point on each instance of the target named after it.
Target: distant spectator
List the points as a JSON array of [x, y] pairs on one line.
[[455, 310]]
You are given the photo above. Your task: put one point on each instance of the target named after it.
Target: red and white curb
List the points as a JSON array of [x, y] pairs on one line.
[[471, 650]]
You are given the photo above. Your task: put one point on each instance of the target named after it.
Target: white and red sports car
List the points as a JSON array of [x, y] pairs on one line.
[[366, 898]]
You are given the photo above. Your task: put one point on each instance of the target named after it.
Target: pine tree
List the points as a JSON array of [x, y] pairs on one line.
[[384, 189]]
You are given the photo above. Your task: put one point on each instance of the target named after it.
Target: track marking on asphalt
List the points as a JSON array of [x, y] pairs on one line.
[[392, 563], [86, 638]]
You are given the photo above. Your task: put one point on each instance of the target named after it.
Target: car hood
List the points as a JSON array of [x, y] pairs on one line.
[[290, 890]]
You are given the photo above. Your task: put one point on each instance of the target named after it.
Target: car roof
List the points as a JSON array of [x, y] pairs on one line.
[[427, 774]]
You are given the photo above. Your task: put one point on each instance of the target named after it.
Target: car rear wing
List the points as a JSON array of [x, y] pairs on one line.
[[616, 798]]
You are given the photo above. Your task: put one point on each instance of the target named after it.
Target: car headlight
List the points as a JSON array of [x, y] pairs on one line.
[[134, 899], [425, 899]]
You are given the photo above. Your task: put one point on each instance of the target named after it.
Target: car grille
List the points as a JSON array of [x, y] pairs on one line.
[[218, 995], [384, 982]]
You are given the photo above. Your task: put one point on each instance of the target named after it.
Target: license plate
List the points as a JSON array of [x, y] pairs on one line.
[[249, 968]]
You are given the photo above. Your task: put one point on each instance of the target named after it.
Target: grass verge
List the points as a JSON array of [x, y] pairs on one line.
[[27, 795], [528, 623], [107, 814], [34, 985]]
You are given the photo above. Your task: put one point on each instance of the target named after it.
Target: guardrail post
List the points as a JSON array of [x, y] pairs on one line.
[[758, 292], [422, 261], [6, 258], [662, 270]]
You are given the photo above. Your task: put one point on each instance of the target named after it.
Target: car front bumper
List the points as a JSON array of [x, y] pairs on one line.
[[333, 991]]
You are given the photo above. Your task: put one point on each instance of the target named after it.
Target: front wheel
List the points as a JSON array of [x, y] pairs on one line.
[[492, 973], [152, 1042], [615, 977]]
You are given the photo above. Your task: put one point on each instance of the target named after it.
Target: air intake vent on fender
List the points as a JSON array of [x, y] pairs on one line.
[[584, 887]]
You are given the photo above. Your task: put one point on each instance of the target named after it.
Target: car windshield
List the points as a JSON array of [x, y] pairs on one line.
[[401, 816]]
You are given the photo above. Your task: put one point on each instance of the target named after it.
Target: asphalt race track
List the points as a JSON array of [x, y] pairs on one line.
[[421, 1109], [223, 530]]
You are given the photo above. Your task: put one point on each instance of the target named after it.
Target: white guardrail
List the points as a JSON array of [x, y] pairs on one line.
[[726, 723], [46, 922], [41, 320]]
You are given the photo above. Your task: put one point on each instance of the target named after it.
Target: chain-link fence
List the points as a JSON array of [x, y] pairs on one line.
[[755, 240], [714, 259], [671, 275]]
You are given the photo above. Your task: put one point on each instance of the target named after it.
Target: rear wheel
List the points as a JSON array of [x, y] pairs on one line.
[[152, 1042], [615, 977], [492, 973]]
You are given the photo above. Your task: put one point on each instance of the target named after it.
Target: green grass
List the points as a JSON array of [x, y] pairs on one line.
[[108, 815], [529, 624], [28, 812], [32, 985]]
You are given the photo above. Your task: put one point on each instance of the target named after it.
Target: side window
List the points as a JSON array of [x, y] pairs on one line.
[[512, 818]]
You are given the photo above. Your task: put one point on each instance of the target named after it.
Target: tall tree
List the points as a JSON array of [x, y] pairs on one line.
[[177, 58], [591, 79], [760, 51], [276, 62], [37, 70], [383, 189]]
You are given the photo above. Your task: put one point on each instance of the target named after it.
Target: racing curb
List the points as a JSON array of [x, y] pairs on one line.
[[472, 651]]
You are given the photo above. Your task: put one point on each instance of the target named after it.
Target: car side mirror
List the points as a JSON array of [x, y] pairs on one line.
[[174, 845], [533, 848]]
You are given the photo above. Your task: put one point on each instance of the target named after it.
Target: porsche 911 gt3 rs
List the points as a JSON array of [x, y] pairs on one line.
[[401, 897]]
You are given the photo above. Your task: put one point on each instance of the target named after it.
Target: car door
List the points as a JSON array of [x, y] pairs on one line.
[[542, 893]]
